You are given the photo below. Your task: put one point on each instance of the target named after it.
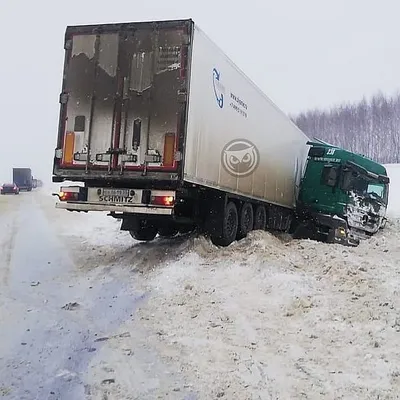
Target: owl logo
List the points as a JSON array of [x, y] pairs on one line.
[[240, 158]]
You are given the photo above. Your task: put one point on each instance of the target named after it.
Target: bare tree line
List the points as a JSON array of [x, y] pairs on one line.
[[370, 127]]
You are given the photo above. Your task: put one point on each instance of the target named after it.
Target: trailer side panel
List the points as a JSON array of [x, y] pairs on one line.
[[237, 140]]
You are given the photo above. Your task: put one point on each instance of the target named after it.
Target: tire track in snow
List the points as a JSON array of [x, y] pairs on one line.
[[47, 350]]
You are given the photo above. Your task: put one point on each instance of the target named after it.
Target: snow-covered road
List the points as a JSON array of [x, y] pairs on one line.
[[58, 309]]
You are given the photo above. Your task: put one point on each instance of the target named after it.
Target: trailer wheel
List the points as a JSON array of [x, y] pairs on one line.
[[230, 224], [144, 232], [184, 229], [246, 222], [260, 218], [168, 231]]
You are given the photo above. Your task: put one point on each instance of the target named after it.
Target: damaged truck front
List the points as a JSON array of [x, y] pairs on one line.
[[343, 196]]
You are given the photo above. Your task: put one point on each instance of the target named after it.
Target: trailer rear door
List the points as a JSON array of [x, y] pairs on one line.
[[123, 98]]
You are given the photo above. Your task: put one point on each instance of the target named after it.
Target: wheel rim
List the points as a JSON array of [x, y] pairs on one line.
[[247, 222], [260, 219], [231, 224], [247, 219]]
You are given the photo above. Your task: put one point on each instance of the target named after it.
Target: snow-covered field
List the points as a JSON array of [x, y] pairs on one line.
[[266, 318], [394, 192]]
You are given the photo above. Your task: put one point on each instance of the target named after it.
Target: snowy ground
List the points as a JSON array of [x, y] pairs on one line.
[[266, 318]]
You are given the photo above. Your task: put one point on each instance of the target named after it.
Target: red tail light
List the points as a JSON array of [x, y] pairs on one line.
[[66, 196], [167, 201]]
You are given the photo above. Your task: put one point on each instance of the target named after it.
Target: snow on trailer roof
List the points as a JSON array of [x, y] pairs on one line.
[[117, 26]]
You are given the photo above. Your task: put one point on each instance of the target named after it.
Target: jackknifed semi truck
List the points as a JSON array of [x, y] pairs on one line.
[[167, 134]]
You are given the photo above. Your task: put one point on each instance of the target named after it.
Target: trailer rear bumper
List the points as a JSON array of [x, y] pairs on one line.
[[85, 207]]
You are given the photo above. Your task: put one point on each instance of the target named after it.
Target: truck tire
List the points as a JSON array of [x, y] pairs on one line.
[[184, 229], [230, 224], [260, 218], [246, 221], [144, 233], [168, 231]]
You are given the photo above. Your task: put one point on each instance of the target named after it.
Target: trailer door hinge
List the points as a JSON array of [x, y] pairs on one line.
[[68, 44], [152, 158], [63, 98], [178, 156], [181, 96], [185, 39], [58, 154]]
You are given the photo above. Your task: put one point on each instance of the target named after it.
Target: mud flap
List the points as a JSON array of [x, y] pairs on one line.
[[133, 223], [130, 224]]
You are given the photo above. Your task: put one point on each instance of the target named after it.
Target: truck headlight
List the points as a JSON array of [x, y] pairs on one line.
[[341, 232]]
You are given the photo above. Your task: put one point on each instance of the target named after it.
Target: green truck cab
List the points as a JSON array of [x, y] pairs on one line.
[[343, 196]]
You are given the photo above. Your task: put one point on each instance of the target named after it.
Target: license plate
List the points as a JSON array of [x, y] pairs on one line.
[[116, 192], [113, 195]]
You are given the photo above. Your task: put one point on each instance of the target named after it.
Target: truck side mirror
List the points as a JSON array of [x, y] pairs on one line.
[[384, 179], [330, 175]]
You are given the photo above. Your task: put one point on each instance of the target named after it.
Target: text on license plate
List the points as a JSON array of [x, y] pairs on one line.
[[116, 199], [112, 195], [116, 192]]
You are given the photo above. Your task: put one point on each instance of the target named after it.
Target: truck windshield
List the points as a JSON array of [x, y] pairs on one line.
[[374, 190], [377, 189], [363, 186]]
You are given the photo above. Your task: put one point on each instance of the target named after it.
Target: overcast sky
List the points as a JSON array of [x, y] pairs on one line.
[[302, 53]]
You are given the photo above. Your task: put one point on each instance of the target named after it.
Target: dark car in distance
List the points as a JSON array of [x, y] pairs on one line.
[[11, 188]]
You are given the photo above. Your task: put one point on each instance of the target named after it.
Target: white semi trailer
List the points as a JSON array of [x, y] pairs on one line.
[[168, 134]]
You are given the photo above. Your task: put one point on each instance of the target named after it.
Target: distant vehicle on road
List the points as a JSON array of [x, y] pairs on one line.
[[10, 188], [22, 177]]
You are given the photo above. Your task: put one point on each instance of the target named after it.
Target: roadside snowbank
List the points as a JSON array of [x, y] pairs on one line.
[[269, 318], [264, 318]]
